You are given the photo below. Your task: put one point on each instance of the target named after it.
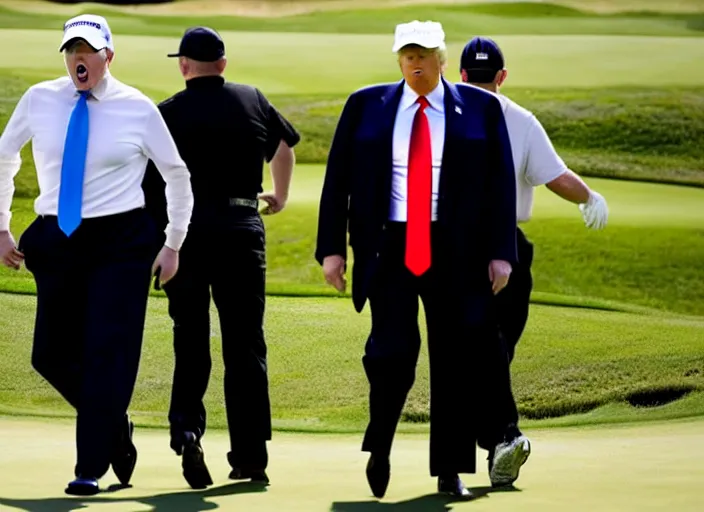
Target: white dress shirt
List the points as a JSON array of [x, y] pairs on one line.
[[125, 131], [535, 160], [435, 113]]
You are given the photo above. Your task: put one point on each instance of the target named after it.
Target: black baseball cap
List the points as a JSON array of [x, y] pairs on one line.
[[481, 59], [202, 44]]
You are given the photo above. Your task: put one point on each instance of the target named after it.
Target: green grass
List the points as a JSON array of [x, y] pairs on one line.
[[570, 361], [649, 255], [313, 61], [627, 116], [649, 133], [581, 470], [620, 95], [458, 20]]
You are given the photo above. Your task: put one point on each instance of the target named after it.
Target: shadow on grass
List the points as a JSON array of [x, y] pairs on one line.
[[186, 501], [427, 503]]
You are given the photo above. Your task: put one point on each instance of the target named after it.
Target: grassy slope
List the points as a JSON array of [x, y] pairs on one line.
[[569, 361]]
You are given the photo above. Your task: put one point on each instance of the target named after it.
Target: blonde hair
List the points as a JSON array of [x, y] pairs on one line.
[[440, 51]]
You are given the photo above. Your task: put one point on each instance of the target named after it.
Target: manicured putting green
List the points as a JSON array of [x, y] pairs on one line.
[[299, 63], [624, 469]]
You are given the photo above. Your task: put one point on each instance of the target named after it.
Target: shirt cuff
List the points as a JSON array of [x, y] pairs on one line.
[[5, 221], [174, 238]]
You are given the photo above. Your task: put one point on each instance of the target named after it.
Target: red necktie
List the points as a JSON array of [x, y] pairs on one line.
[[420, 170]]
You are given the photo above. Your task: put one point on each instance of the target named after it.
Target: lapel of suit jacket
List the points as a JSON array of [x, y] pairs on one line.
[[454, 112]]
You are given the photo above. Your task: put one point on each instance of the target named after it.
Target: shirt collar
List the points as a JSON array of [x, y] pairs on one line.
[[504, 101], [436, 98], [205, 82], [99, 92]]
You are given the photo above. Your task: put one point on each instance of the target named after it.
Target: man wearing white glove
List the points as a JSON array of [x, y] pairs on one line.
[[594, 211], [536, 163]]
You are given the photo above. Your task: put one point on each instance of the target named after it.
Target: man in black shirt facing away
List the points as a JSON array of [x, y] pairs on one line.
[[224, 133]]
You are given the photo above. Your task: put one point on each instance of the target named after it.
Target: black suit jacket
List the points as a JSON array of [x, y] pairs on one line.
[[477, 190]]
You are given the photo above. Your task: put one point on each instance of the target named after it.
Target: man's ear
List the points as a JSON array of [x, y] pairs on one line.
[[222, 64], [183, 65], [463, 74]]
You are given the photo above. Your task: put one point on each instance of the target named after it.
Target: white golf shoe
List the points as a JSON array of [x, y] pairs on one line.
[[507, 461]]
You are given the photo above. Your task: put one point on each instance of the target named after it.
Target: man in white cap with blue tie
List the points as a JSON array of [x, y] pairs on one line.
[[91, 248]]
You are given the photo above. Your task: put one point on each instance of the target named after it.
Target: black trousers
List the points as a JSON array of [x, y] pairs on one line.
[[92, 291], [464, 353], [511, 313], [513, 303], [226, 256]]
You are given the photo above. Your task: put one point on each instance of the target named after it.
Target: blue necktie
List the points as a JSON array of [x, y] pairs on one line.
[[73, 167]]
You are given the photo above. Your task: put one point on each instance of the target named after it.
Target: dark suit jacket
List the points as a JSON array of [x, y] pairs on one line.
[[477, 194]]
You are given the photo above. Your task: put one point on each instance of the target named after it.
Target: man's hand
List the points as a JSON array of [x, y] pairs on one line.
[[334, 270], [9, 255], [274, 203], [499, 272], [167, 262], [595, 212]]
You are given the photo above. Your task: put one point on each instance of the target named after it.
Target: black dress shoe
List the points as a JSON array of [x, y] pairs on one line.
[[256, 476], [378, 475], [453, 486], [83, 487], [195, 470], [124, 456]]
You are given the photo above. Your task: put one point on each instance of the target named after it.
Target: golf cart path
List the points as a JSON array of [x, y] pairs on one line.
[[615, 468]]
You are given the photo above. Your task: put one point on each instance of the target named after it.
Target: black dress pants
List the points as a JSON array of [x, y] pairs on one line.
[[226, 256], [513, 303], [511, 313], [464, 353], [92, 291]]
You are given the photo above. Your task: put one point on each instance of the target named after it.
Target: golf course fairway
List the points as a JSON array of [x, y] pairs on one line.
[[654, 466]]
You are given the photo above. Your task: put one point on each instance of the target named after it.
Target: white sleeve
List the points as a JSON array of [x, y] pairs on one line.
[[16, 134], [160, 147], [543, 164]]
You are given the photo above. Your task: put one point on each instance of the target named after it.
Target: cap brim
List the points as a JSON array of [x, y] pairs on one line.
[[90, 36], [173, 54]]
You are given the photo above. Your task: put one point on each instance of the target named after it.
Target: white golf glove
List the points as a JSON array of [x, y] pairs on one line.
[[594, 212]]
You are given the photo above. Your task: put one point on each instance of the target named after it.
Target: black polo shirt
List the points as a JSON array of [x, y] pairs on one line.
[[224, 132]]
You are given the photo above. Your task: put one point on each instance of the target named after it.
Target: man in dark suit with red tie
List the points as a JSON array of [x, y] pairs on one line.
[[421, 174]]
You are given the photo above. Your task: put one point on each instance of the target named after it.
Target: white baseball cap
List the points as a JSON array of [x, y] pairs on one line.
[[428, 34], [93, 29]]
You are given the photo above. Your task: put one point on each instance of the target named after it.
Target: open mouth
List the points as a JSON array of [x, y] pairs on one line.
[[81, 73], [418, 72]]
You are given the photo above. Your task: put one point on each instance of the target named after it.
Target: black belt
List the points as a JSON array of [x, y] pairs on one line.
[[241, 201]]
